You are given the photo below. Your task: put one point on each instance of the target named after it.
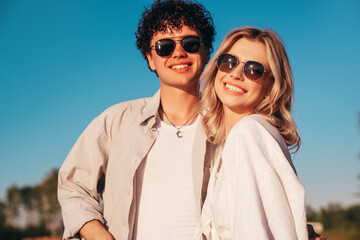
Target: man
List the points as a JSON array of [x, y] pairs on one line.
[[145, 158], [148, 159]]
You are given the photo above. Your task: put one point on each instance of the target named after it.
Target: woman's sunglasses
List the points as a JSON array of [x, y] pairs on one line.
[[252, 70], [165, 47]]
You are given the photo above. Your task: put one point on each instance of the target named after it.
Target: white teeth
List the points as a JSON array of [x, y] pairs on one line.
[[180, 66], [233, 88]]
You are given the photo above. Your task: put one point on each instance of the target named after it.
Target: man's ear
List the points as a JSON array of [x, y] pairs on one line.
[[150, 61]]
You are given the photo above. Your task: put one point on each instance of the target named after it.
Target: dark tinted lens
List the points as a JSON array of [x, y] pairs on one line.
[[253, 70], [226, 62], [164, 47], [191, 44]]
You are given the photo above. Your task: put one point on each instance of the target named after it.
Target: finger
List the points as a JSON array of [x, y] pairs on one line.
[[321, 238]]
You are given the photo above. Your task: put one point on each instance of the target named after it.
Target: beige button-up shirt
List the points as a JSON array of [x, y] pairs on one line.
[[104, 160]]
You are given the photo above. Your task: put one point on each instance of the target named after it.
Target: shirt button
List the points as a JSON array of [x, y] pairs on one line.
[[124, 223], [127, 192]]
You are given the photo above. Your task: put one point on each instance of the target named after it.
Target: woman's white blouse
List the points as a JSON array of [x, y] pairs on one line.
[[257, 194]]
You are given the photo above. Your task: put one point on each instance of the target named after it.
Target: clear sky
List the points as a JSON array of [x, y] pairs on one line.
[[63, 62]]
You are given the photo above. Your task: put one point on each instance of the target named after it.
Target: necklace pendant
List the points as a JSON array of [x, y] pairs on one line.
[[179, 134]]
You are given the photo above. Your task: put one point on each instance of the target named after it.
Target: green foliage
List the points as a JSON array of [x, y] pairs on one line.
[[2, 215], [12, 200], [10, 233], [312, 215], [40, 200], [353, 216], [30, 197], [48, 188], [13, 233], [336, 217]]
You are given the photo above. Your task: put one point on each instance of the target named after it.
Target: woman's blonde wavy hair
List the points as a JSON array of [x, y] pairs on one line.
[[276, 108]]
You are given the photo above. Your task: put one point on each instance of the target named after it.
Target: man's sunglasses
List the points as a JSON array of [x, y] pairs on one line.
[[252, 70], [165, 47]]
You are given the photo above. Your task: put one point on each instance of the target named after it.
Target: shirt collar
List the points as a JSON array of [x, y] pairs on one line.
[[151, 109]]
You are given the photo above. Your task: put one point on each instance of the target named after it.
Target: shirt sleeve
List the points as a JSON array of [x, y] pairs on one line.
[[266, 199], [81, 179]]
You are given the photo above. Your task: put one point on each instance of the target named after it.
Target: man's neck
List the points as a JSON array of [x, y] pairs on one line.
[[178, 105]]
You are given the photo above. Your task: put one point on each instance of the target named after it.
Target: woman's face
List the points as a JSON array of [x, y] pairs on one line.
[[239, 94]]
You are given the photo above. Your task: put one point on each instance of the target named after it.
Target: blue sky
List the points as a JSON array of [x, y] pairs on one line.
[[63, 62]]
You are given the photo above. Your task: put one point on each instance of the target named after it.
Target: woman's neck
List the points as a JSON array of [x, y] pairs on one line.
[[231, 118]]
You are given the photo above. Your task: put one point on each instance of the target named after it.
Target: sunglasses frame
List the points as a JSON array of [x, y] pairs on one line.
[[174, 44], [238, 61]]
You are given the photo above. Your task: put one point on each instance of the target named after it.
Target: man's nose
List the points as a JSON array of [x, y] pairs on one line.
[[179, 51]]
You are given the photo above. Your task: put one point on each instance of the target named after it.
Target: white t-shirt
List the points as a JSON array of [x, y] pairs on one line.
[[166, 204]]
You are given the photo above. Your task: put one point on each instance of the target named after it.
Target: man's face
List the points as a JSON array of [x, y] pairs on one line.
[[180, 69]]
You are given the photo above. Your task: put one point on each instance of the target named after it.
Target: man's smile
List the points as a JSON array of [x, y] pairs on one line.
[[180, 66]]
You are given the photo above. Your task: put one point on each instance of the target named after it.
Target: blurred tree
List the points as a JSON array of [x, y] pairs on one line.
[[32, 209], [51, 208], [48, 188], [353, 216], [12, 205], [333, 216], [312, 215], [358, 176], [30, 197], [2, 214], [358, 193]]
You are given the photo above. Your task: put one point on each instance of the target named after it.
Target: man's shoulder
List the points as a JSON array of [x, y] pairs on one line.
[[128, 106], [132, 110], [122, 115]]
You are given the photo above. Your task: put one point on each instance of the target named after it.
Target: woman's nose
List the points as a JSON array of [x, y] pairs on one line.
[[237, 73]]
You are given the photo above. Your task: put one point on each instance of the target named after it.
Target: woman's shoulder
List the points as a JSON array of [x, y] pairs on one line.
[[256, 130], [254, 122], [255, 125]]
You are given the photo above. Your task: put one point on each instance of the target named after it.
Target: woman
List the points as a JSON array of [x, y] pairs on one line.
[[253, 192]]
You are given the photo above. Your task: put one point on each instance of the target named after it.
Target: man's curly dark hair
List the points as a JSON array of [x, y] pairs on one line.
[[173, 14]]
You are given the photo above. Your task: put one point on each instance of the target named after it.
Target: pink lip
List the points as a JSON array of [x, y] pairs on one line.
[[232, 92]]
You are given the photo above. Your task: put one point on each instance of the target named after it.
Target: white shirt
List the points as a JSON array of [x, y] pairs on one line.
[[257, 194], [167, 206]]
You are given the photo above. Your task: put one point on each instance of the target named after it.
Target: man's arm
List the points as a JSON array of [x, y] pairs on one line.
[[94, 230], [79, 176]]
